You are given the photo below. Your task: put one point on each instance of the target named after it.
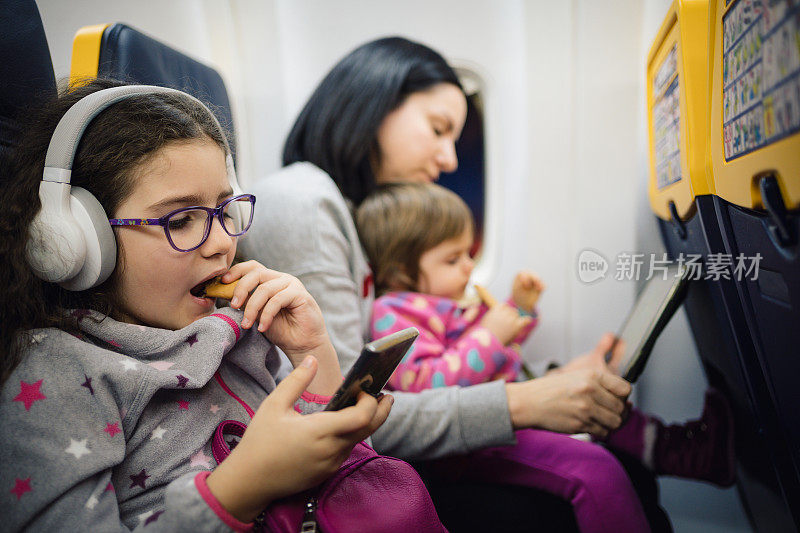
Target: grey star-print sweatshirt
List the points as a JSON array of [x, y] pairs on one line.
[[112, 431]]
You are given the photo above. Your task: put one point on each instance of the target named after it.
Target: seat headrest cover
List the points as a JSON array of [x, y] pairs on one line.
[[129, 55], [26, 69]]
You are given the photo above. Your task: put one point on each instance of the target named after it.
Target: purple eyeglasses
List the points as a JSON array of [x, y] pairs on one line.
[[188, 228]]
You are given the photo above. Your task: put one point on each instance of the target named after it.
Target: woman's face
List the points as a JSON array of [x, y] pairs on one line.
[[153, 278], [416, 141]]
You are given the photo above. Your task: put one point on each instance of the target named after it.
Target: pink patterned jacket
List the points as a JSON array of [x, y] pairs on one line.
[[452, 349]]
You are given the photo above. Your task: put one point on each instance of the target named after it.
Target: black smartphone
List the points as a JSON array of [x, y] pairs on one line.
[[373, 368], [661, 297]]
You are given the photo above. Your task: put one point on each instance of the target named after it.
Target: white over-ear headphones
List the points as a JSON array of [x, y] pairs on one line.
[[71, 242]]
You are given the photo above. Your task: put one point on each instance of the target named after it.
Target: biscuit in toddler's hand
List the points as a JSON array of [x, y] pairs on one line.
[[485, 296], [217, 289]]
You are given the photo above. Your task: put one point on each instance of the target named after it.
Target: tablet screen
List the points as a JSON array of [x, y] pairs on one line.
[[656, 304]]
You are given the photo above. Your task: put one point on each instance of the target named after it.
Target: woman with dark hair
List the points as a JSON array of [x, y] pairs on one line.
[[338, 129], [392, 110]]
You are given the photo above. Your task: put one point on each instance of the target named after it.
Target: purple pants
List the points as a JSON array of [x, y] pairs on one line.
[[583, 473]]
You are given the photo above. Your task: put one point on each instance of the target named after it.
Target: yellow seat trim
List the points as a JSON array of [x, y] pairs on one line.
[[683, 38], [86, 54]]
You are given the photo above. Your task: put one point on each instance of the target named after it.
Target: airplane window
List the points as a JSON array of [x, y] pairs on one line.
[[468, 181]]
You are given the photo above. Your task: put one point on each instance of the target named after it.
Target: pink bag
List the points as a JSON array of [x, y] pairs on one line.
[[369, 492]]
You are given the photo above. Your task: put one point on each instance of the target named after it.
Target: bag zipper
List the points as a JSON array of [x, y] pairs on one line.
[[309, 524]]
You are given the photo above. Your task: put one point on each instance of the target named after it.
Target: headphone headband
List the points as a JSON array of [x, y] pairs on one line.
[[68, 132]]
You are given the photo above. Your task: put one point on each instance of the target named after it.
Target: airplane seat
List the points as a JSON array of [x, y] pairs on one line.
[[25, 67], [754, 161], [684, 196], [121, 52]]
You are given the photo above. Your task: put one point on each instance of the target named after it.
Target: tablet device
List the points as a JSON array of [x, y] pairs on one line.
[[661, 297], [373, 368]]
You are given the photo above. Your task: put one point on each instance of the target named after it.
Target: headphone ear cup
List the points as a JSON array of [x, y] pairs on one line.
[[55, 248], [101, 246]]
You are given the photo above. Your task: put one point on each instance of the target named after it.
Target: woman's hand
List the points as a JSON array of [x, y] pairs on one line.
[[283, 452], [577, 399], [526, 290], [596, 359], [288, 316], [504, 322]]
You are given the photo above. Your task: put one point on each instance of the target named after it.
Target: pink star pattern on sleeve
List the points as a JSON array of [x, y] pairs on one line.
[[112, 429], [199, 459], [29, 393], [139, 479], [21, 487]]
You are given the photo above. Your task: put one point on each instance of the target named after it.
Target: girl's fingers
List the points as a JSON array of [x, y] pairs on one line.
[[247, 283], [240, 269], [292, 386], [350, 419], [286, 296], [384, 408], [381, 413], [282, 299], [250, 274], [262, 293]]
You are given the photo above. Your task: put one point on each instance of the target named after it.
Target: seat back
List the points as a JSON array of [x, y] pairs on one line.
[[743, 322], [25, 68], [123, 53]]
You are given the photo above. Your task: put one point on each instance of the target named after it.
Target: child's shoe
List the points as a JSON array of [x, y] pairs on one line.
[[700, 449]]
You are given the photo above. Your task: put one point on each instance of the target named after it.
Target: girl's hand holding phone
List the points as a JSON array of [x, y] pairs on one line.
[[526, 290], [283, 452]]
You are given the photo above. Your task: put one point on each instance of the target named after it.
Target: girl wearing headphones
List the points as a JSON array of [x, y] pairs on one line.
[[116, 371]]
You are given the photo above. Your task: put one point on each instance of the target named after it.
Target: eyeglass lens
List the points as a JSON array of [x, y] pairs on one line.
[[187, 229]]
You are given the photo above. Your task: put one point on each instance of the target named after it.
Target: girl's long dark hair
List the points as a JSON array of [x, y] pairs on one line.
[[336, 130], [112, 149]]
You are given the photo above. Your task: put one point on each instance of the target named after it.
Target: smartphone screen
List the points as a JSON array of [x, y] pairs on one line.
[[661, 297], [373, 368]]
